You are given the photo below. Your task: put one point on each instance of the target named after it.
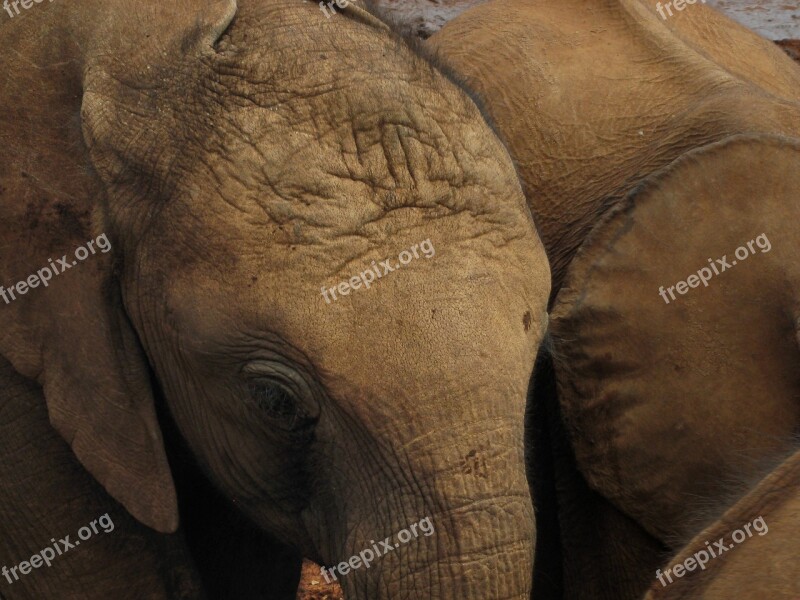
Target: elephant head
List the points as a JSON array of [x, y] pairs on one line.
[[320, 252]]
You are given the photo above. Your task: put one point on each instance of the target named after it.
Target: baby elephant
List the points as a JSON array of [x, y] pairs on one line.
[[322, 268]]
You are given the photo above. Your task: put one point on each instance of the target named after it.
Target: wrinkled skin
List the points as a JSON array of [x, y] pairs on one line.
[[584, 134], [238, 165], [583, 137]]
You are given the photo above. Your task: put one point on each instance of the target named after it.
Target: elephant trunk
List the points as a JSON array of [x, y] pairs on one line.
[[481, 552], [456, 521]]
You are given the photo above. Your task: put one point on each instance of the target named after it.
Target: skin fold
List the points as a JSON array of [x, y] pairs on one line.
[[592, 98], [763, 564], [240, 159]]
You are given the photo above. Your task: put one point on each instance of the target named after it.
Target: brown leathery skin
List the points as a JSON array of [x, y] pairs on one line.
[[592, 96], [763, 564], [241, 157]]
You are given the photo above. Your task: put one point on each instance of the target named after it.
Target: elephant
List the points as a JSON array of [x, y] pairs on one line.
[[694, 102], [678, 417], [320, 269]]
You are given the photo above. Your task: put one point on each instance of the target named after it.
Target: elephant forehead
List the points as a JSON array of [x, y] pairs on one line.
[[343, 176], [302, 128]]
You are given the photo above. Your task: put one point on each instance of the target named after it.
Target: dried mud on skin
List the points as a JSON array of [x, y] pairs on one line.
[[313, 586]]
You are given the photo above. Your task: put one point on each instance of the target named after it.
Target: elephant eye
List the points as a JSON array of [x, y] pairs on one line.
[[280, 405]]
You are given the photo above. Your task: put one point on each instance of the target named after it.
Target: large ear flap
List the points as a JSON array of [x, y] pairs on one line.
[[64, 324], [675, 333], [761, 542]]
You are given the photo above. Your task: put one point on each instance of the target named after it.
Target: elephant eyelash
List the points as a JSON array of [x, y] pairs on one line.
[[279, 404]]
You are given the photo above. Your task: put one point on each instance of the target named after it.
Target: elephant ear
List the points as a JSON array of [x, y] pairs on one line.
[[668, 402], [73, 335], [762, 537]]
